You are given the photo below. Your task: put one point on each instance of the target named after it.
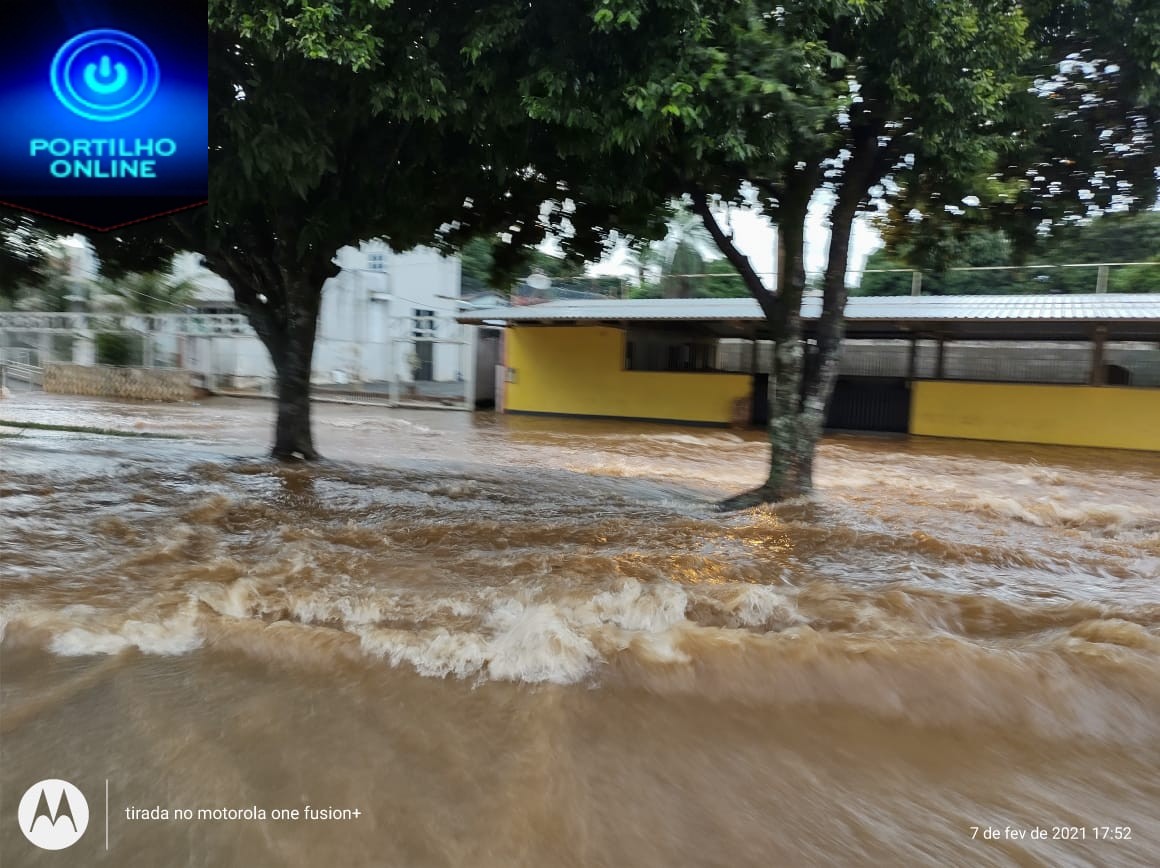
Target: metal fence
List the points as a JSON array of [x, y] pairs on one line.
[[428, 360]]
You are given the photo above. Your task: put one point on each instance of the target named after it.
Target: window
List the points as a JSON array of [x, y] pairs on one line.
[[656, 350], [424, 323], [376, 262]]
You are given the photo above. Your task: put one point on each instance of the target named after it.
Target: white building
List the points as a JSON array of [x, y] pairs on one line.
[[385, 318], [390, 315]]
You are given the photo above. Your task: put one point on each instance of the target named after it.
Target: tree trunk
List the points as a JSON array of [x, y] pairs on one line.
[[293, 438], [791, 438], [281, 303], [793, 434], [291, 346]]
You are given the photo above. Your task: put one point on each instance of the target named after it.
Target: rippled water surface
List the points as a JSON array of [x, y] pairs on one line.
[[536, 643]]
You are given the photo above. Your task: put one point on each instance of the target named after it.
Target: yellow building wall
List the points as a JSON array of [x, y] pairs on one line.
[[580, 371], [1016, 412]]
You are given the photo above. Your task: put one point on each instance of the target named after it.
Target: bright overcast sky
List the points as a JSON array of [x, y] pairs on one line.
[[756, 237]]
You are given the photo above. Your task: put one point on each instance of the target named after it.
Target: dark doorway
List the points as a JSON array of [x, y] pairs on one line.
[[858, 404], [870, 404], [425, 361]]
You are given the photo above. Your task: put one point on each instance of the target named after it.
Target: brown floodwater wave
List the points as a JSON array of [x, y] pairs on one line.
[[536, 642]]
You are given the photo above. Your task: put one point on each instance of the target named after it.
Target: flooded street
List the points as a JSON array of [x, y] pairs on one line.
[[528, 642]]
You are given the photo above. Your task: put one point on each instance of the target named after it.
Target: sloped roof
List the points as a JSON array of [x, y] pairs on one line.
[[979, 317]]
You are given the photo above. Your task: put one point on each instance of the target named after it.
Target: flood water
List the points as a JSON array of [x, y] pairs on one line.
[[515, 642]]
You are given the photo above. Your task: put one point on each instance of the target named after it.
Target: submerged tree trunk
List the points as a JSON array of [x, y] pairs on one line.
[[292, 355], [282, 305], [791, 454], [791, 443], [803, 377]]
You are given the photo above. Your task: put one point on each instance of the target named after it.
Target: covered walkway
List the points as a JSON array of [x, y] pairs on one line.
[[1076, 370]]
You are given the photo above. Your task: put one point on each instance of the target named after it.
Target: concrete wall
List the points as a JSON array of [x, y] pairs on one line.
[[580, 371], [1124, 418], [103, 381], [229, 361]]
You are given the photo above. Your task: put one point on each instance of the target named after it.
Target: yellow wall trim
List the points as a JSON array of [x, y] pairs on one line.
[[579, 371], [1107, 416]]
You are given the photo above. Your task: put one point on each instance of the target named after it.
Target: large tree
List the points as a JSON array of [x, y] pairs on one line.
[[339, 120], [332, 122], [774, 106], [953, 115]]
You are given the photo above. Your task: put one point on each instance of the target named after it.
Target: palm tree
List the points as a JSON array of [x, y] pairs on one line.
[[144, 292], [686, 249]]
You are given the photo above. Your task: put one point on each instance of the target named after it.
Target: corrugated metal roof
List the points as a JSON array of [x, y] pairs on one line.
[[1093, 308]]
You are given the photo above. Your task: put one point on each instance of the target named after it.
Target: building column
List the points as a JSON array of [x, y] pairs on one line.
[[468, 357], [84, 350], [1099, 370], [939, 365], [501, 372], [912, 362]]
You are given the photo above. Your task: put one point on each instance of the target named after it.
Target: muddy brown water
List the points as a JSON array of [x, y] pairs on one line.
[[513, 642]]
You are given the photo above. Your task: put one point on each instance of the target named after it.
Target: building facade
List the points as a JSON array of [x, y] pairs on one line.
[[1067, 370]]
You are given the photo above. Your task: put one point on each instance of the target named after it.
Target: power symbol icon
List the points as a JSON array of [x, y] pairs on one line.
[[97, 77], [104, 75]]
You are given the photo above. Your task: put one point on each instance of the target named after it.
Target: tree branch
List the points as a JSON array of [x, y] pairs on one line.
[[737, 259]]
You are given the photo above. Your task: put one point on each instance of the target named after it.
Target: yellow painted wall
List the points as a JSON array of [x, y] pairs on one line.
[[580, 371], [1016, 412]]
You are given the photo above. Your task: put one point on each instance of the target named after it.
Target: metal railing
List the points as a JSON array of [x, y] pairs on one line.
[[169, 323]]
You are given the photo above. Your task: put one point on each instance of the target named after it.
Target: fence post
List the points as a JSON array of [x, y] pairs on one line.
[[916, 283], [1102, 279], [470, 347]]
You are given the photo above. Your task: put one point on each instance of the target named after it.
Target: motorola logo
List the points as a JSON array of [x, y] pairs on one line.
[[53, 814]]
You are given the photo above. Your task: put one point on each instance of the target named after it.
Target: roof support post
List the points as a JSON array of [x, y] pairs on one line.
[[1099, 370], [912, 362], [939, 367]]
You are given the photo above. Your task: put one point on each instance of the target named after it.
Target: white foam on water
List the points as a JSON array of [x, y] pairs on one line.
[[560, 641], [1053, 512], [537, 643], [757, 605], [240, 598], [433, 653], [715, 439], [176, 635], [633, 607]]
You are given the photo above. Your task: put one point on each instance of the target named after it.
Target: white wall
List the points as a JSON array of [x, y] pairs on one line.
[[237, 361], [367, 315], [366, 321]]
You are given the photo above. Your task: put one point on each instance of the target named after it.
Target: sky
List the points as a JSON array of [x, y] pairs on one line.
[[755, 238]]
